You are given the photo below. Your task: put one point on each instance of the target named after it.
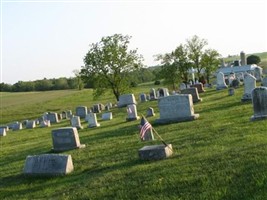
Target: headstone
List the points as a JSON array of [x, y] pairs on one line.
[[152, 94], [107, 108], [249, 85], [231, 77], [52, 117], [66, 139], [5, 127], [231, 91], [2, 132], [220, 81], [92, 120], [30, 124], [176, 108], [199, 87], [243, 58], [81, 111], [150, 112], [125, 100], [69, 114], [194, 92], [59, 116], [24, 122], [163, 92], [45, 123], [107, 116], [259, 101], [64, 115], [155, 152], [146, 130], [182, 86], [264, 82], [258, 73], [96, 108], [48, 165], [17, 126], [143, 97], [132, 113], [76, 122], [101, 106]]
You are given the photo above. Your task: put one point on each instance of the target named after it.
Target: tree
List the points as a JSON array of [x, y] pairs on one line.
[[109, 63], [195, 47], [210, 61], [253, 59], [175, 66]]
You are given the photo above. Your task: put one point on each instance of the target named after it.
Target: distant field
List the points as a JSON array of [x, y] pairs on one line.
[[222, 155]]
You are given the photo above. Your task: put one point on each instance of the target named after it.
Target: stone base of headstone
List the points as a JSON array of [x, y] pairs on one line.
[[81, 146], [174, 120], [155, 152], [258, 117], [231, 91], [246, 97], [221, 87], [132, 119], [48, 165], [79, 127], [93, 125]]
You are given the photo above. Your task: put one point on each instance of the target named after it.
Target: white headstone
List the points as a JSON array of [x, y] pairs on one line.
[[176, 108], [220, 81], [92, 120], [132, 113], [249, 85], [76, 122]]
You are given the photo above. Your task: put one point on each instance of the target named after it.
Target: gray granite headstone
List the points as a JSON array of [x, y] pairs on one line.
[[132, 113], [264, 82], [150, 112], [66, 139], [69, 114], [258, 73], [194, 92], [30, 124], [152, 94], [96, 108], [45, 123], [155, 152], [259, 101], [81, 111], [126, 99], [5, 127], [48, 165], [163, 92], [199, 87], [52, 117], [17, 126], [143, 97], [249, 85], [107, 116], [2, 132], [182, 86]]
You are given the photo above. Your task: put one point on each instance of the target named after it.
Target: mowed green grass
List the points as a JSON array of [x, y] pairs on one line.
[[221, 155]]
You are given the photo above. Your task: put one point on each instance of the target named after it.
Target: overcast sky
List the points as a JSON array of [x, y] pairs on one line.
[[49, 39]]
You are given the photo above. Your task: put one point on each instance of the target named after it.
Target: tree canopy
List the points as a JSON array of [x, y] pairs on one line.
[[109, 62], [253, 59]]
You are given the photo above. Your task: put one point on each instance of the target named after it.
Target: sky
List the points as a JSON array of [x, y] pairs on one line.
[[49, 39]]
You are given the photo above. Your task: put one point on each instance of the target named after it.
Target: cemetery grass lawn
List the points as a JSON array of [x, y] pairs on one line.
[[221, 155]]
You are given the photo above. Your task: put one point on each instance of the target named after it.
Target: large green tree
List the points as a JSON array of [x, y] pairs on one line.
[[210, 62], [109, 63], [174, 66], [195, 46]]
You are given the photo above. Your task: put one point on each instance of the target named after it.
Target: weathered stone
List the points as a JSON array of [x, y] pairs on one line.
[[220, 81], [176, 108], [52, 117], [249, 85], [194, 92], [259, 101], [45, 123], [17, 126], [2, 132], [163, 92], [143, 97], [30, 124], [199, 87], [92, 120], [76, 122], [48, 165], [150, 112], [155, 152], [132, 113], [96, 108], [66, 139], [126, 99], [107, 116], [182, 86], [152, 94], [5, 127], [81, 111], [264, 82]]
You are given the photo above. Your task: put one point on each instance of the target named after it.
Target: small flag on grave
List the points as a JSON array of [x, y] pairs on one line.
[[144, 125]]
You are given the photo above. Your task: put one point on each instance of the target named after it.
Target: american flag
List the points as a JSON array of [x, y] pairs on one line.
[[145, 125]]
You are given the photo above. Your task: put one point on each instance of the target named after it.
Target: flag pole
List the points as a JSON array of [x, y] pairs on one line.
[[160, 137]]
